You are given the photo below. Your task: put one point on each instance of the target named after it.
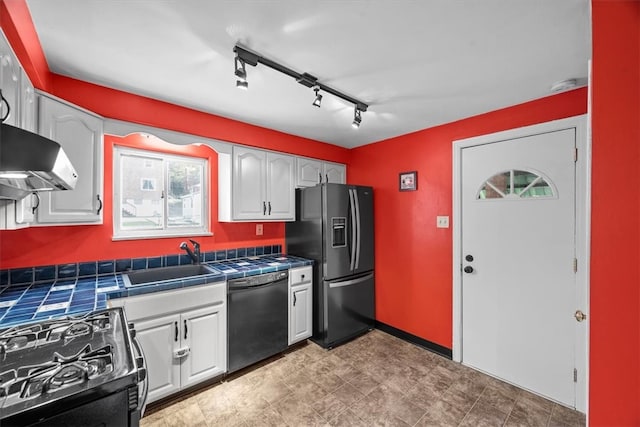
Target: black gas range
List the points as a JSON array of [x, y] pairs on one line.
[[74, 371]]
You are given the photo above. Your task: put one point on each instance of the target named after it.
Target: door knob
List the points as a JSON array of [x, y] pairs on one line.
[[580, 316], [468, 269]]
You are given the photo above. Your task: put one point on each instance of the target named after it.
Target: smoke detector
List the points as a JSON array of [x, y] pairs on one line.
[[564, 85]]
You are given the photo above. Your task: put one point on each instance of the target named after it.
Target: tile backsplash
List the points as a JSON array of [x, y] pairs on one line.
[[95, 268]]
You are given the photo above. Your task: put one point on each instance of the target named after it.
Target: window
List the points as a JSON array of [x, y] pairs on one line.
[[516, 184], [158, 195]]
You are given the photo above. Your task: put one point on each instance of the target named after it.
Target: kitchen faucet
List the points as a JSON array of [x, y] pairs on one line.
[[195, 253]]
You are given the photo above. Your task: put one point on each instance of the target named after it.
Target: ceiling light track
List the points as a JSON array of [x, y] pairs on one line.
[[245, 56]]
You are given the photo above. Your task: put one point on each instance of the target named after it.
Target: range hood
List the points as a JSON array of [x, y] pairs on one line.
[[30, 162]]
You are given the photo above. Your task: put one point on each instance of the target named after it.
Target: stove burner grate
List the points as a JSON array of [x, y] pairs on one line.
[[61, 372], [66, 329]]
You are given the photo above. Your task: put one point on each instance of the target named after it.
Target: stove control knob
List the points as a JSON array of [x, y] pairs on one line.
[[142, 374]]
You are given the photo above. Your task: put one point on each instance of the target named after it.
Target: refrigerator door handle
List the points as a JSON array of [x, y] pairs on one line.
[[351, 282], [358, 234], [354, 241]]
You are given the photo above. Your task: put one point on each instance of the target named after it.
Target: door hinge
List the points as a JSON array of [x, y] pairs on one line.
[[575, 155], [575, 265], [575, 375]]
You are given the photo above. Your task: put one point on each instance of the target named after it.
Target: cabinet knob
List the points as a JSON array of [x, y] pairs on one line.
[[468, 269]]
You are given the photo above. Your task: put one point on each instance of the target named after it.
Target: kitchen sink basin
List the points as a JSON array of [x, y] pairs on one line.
[[143, 277]]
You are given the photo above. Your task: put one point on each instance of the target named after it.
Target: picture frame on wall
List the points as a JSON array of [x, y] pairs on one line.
[[409, 181]]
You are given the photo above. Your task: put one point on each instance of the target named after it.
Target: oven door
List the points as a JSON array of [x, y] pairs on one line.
[[107, 411]]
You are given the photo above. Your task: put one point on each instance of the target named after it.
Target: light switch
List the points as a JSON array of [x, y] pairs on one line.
[[442, 221], [258, 229]]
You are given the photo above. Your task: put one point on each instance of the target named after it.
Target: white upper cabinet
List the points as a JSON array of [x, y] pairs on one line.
[[310, 172], [10, 75], [80, 135], [334, 173], [261, 187]]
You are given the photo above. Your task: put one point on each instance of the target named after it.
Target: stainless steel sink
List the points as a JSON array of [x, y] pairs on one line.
[[143, 277]]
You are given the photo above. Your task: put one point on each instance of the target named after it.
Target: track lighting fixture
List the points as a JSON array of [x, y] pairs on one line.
[[241, 73], [357, 118], [318, 100], [244, 56]]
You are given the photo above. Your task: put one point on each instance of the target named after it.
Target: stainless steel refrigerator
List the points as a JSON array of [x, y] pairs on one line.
[[334, 227]]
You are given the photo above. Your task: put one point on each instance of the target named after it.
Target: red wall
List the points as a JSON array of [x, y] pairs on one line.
[[57, 245], [615, 234], [413, 257]]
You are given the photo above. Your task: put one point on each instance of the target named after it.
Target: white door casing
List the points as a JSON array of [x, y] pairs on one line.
[[528, 339]]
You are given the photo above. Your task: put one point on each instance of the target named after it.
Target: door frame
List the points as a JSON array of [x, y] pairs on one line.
[[583, 232]]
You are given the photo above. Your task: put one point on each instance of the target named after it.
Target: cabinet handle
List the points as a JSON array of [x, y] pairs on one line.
[[176, 338], [4, 101], [100, 206], [327, 177], [269, 208], [319, 178], [264, 208], [35, 208], [294, 299], [185, 329]]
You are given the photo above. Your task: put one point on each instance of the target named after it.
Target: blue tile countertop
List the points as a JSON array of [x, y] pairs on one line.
[[26, 302]]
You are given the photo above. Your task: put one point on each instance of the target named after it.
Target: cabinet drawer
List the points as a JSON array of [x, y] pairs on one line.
[[172, 301], [300, 275]]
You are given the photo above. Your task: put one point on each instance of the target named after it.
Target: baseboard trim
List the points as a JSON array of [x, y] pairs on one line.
[[421, 342]]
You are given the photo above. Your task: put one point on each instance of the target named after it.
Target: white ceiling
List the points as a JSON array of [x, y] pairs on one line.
[[417, 63]]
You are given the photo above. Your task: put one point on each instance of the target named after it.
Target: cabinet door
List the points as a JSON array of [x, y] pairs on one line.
[[80, 134], [308, 172], [16, 214], [280, 187], [159, 338], [248, 189], [27, 104], [334, 173], [10, 83], [300, 318], [204, 332]]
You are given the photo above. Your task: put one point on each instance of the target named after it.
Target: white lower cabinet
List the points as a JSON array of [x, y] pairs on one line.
[[300, 304], [183, 334]]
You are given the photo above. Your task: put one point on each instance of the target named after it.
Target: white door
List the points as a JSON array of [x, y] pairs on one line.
[[300, 321], [518, 201], [204, 333], [281, 197], [249, 198], [159, 338], [80, 135]]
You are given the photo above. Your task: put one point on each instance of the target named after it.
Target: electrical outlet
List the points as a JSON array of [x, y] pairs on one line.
[[442, 221], [258, 229]]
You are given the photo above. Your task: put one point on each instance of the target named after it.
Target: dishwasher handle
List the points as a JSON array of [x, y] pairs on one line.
[[257, 281], [239, 287]]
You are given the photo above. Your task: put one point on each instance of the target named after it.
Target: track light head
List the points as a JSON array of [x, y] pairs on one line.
[[318, 100], [241, 74], [357, 118]]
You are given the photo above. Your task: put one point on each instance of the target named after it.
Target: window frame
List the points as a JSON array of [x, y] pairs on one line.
[[165, 231]]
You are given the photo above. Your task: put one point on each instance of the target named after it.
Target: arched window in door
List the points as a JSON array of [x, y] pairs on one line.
[[517, 184]]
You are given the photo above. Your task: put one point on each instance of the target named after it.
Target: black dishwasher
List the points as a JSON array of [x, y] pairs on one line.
[[258, 318]]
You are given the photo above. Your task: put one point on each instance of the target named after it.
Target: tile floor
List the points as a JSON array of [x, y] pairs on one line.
[[376, 379]]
